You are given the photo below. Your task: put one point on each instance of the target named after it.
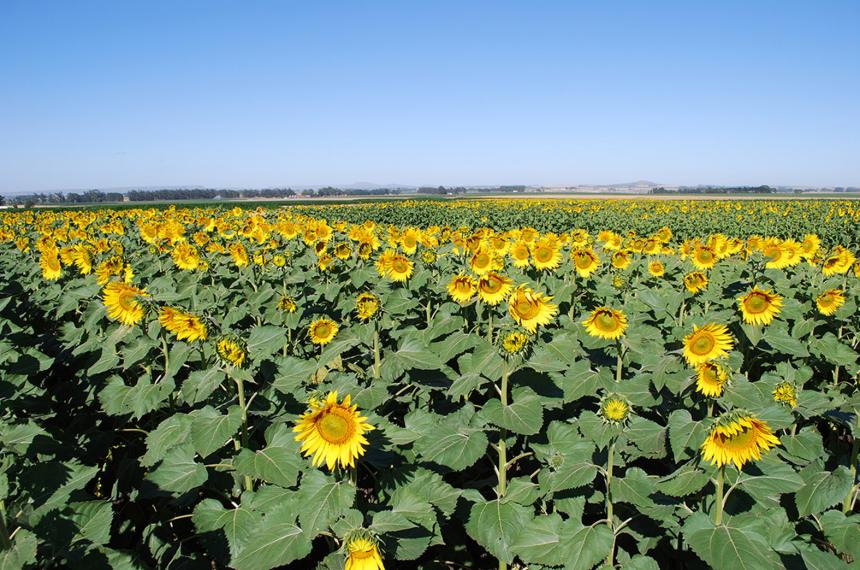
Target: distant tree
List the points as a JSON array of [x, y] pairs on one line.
[[2, 200]]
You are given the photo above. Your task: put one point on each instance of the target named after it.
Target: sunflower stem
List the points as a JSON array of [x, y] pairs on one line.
[[848, 503], [619, 363], [243, 408], [376, 359], [490, 326], [610, 464], [5, 541], [503, 451], [720, 477]]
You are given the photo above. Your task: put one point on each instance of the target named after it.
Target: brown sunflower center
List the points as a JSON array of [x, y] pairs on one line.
[[399, 265], [491, 285], [322, 330], [606, 321], [526, 309], [335, 426], [482, 260], [543, 254]]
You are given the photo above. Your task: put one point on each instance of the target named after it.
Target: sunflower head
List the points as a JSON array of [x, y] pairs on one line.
[[322, 331], [711, 379], [462, 288], [531, 308], [737, 437], [332, 431], [185, 325], [707, 343], [759, 306], [514, 342], [428, 256], [362, 551], [695, 281], [366, 306], [287, 304], [656, 268], [585, 261], [123, 302], [493, 288], [830, 301], [231, 350], [604, 322], [614, 409], [785, 393]]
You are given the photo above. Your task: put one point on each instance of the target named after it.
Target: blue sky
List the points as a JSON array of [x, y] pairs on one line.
[[254, 94]]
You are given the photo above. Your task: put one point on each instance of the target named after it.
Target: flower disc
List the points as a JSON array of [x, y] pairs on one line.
[[332, 432], [706, 343]]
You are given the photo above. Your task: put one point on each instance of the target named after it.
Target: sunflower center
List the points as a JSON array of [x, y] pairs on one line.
[[826, 300], [335, 427], [606, 322], [705, 256], [703, 344], [756, 303], [482, 260], [492, 285], [583, 261], [399, 265], [543, 254], [323, 330], [525, 309], [361, 554]]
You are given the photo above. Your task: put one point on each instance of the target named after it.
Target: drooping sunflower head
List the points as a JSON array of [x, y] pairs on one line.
[[493, 288], [604, 322], [737, 437], [707, 343], [333, 432], [185, 325], [122, 302], [231, 350], [515, 342], [50, 265], [614, 409], [362, 551], [830, 301], [531, 308], [287, 304], [322, 331], [759, 306], [695, 281], [785, 393], [462, 288], [711, 379], [366, 306], [621, 259]]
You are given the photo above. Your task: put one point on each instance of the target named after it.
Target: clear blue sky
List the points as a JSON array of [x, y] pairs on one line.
[[252, 93]]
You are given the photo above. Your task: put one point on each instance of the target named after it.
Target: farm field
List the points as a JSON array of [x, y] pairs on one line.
[[463, 384]]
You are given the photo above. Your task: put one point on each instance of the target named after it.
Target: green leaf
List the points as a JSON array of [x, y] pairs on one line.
[[277, 463], [685, 435], [265, 340], [22, 553], [823, 489], [685, 481], [778, 337], [770, 477], [293, 374], [726, 547], [523, 415], [200, 384], [210, 515], [589, 545], [94, 520], [453, 443], [496, 526], [541, 542], [170, 433], [211, 429], [322, 499], [272, 542], [178, 472], [843, 532]]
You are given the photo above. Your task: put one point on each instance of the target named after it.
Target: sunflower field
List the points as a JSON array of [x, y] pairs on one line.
[[494, 384]]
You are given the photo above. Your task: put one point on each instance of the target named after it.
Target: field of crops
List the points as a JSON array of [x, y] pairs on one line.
[[493, 384]]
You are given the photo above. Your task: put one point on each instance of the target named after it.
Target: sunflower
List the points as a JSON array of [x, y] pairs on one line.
[[514, 342], [428, 256], [614, 409], [704, 257], [50, 264], [695, 281], [606, 323], [186, 326], [585, 261], [287, 304], [185, 256], [483, 261], [366, 305], [706, 343], [239, 254], [493, 288], [759, 306], [462, 288], [322, 331], [400, 268], [546, 254], [621, 259], [530, 308], [520, 253], [362, 553], [737, 437], [785, 393], [122, 304], [711, 379], [830, 301], [656, 268], [231, 350], [332, 432]]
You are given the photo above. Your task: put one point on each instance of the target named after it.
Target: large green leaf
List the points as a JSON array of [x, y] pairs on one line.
[[496, 526], [523, 415], [822, 489], [323, 498], [274, 541], [729, 548], [210, 429], [178, 471]]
